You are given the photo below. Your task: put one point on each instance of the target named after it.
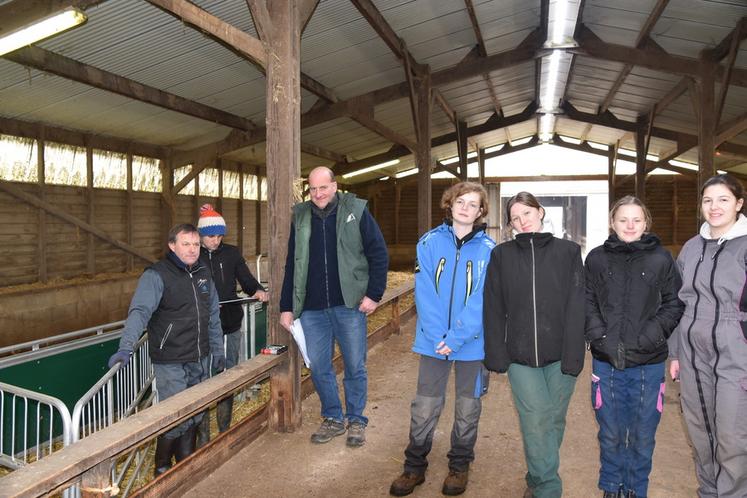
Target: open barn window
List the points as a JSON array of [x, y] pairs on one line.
[[109, 170], [64, 164], [18, 159], [146, 175], [231, 185]]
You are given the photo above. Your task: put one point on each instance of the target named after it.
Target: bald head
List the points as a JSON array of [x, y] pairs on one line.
[[322, 186]]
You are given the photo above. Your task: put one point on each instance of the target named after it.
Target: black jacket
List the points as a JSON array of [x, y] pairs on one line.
[[533, 307], [228, 265], [631, 301]]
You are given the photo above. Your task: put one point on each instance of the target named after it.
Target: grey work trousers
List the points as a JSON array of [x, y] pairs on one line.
[[471, 382], [173, 378], [713, 386]]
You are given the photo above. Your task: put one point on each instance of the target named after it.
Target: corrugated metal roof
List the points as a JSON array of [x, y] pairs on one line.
[[343, 52]]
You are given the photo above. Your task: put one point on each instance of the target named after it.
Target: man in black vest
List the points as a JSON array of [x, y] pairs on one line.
[[177, 303]]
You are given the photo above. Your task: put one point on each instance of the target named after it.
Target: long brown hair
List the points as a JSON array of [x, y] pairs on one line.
[[526, 199]]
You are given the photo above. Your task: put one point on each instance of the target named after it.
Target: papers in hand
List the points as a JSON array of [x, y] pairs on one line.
[[297, 332]]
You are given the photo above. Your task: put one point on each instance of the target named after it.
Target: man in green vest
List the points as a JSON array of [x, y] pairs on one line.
[[335, 275]]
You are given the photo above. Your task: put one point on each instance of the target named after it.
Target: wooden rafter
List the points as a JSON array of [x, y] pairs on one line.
[[464, 70], [233, 38], [735, 41], [731, 129], [722, 49], [377, 21], [676, 92], [33, 130], [65, 67], [323, 153], [482, 51], [591, 45]]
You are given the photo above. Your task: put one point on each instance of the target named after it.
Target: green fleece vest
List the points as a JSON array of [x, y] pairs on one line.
[[351, 260]]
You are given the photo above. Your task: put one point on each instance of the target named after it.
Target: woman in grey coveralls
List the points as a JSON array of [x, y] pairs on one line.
[[709, 346]]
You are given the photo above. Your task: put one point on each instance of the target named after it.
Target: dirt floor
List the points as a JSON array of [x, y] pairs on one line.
[[287, 465]]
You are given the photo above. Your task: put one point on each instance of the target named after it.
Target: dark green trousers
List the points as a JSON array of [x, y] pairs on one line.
[[541, 396]]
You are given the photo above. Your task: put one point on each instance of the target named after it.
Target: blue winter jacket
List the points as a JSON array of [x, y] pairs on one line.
[[448, 292]]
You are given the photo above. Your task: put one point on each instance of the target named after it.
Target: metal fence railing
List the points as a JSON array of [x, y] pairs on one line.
[[34, 425]]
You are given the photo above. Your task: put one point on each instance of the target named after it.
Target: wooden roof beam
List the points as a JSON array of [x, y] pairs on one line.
[[35, 130], [482, 51], [65, 67], [323, 153], [731, 129], [592, 46], [736, 39], [377, 21], [721, 50]]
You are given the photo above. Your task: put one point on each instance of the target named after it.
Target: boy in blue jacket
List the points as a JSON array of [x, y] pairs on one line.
[[449, 277]]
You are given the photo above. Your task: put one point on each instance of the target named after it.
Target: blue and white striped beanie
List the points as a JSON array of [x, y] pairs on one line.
[[211, 222]]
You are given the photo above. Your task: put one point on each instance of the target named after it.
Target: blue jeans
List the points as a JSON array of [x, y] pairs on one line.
[[628, 405], [348, 327]]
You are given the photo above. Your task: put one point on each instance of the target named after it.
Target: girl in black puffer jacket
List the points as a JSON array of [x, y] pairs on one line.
[[631, 309]]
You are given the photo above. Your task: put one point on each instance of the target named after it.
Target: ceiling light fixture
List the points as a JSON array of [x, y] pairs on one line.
[[371, 168], [42, 29]]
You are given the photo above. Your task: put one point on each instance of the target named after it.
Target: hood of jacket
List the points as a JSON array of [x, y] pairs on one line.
[[738, 229]]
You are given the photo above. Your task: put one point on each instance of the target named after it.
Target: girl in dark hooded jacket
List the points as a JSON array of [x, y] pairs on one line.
[[631, 309]]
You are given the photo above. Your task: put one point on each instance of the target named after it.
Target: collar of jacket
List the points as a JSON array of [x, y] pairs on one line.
[[174, 259], [204, 250], [476, 229], [647, 242], [538, 238]]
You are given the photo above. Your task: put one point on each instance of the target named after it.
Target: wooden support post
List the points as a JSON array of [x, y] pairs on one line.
[[240, 216], [461, 131], [611, 167], [41, 251], [258, 214], [196, 200], [219, 202], [91, 244], [706, 124], [481, 165], [168, 198], [675, 209], [279, 25], [130, 213], [96, 482], [395, 316], [640, 160], [397, 204], [423, 157]]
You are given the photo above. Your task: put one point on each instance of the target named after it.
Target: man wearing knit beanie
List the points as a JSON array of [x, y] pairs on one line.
[[227, 266]]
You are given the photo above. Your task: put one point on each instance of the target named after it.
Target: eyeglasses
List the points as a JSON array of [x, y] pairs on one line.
[[470, 205]]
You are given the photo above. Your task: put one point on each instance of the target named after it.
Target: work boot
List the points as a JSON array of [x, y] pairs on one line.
[[185, 444], [455, 483], [203, 431], [631, 494], [614, 494], [223, 413], [356, 434], [162, 458], [405, 484], [329, 429]]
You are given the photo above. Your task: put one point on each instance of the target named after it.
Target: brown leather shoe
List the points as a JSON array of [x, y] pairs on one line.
[[405, 484], [455, 483]]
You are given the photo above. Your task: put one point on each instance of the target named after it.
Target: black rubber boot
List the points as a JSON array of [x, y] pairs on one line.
[[203, 430], [185, 444], [225, 407], [164, 451]]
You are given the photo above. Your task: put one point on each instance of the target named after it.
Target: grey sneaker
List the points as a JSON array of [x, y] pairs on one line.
[[329, 429], [356, 434]]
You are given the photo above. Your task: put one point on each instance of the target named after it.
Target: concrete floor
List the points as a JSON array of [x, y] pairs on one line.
[[287, 465]]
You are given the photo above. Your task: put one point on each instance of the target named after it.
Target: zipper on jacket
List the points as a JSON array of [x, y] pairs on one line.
[[166, 335], [326, 270], [453, 281], [698, 383], [197, 306], [222, 279], [716, 317], [534, 306]]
